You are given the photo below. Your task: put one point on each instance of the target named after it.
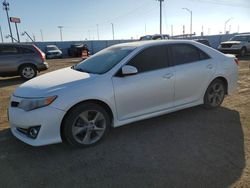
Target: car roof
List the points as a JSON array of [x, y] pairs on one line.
[[153, 43], [16, 44]]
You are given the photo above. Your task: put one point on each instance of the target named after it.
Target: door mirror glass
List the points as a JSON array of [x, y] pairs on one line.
[[129, 70]]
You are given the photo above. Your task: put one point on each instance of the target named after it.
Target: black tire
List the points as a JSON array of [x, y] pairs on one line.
[[72, 122], [28, 71], [215, 94], [243, 52]]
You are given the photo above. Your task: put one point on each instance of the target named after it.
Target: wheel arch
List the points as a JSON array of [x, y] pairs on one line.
[[223, 79], [95, 101], [27, 63]]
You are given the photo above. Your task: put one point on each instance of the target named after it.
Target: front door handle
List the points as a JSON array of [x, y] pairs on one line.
[[209, 66], [168, 76]]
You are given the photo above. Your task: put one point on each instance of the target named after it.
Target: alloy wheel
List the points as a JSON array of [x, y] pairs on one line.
[[89, 127], [28, 72], [216, 94]]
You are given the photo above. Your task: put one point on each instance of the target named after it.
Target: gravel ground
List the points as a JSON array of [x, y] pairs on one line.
[[190, 148]]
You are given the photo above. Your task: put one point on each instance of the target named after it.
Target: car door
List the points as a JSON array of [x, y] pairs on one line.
[[193, 71], [150, 90], [8, 59]]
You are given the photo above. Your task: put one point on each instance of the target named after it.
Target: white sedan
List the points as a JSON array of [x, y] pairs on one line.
[[119, 85]]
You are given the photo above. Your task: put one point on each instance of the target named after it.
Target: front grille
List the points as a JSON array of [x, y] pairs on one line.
[[14, 104], [226, 45]]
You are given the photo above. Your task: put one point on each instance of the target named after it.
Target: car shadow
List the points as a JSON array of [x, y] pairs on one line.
[[190, 148], [5, 82]]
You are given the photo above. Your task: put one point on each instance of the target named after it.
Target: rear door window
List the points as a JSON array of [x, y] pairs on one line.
[[8, 50], [186, 53]]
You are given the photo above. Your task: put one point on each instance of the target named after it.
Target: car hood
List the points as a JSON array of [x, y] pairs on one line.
[[231, 42], [47, 84]]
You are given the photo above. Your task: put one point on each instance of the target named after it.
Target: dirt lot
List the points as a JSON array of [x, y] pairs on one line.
[[190, 148]]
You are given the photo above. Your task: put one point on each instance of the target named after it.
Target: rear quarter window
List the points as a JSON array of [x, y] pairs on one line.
[[23, 50]]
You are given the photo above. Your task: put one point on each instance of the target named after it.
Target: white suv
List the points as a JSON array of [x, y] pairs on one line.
[[239, 44]]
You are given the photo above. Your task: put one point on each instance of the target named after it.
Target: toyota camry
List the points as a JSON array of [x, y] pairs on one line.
[[119, 85]]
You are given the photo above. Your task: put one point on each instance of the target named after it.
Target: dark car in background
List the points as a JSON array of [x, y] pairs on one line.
[[75, 50], [203, 41], [154, 37], [21, 59]]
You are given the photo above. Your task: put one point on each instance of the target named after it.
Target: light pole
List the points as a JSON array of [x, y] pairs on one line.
[[172, 30], [97, 28], [191, 20], [41, 31], [89, 34], [60, 27], [7, 36], [113, 31], [1, 33], [25, 33], [161, 15], [225, 26], [6, 8]]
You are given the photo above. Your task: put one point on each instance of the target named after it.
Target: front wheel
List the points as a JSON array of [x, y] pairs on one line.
[[86, 124], [215, 94]]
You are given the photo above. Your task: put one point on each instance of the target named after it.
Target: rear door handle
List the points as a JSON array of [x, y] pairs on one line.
[[210, 66], [168, 76]]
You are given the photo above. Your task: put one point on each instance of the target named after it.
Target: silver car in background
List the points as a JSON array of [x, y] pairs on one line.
[[239, 44], [21, 59], [52, 51]]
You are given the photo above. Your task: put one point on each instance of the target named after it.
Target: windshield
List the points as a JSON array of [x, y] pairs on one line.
[[104, 60], [239, 38]]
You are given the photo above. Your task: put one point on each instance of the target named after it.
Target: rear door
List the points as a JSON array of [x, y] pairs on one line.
[[9, 58], [193, 71], [150, 90]]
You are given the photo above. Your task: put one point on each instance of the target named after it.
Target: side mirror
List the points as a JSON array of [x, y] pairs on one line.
[[129, 70]]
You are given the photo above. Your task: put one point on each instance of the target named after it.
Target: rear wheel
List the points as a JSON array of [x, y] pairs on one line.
[[28, 72], [86, 125], [215, 94]]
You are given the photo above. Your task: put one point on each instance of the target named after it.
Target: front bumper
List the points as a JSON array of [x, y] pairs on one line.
[[48, 118]]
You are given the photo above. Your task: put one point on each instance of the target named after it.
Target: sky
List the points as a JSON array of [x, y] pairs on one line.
[[131, 19]]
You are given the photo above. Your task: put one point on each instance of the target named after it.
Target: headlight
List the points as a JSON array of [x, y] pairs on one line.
[[31, 104]]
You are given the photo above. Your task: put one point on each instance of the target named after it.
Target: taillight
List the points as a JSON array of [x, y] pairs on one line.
[[236, 61], [41, 54]]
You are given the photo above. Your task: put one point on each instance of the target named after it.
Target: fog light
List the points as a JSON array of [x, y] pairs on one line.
[[33, 132]]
